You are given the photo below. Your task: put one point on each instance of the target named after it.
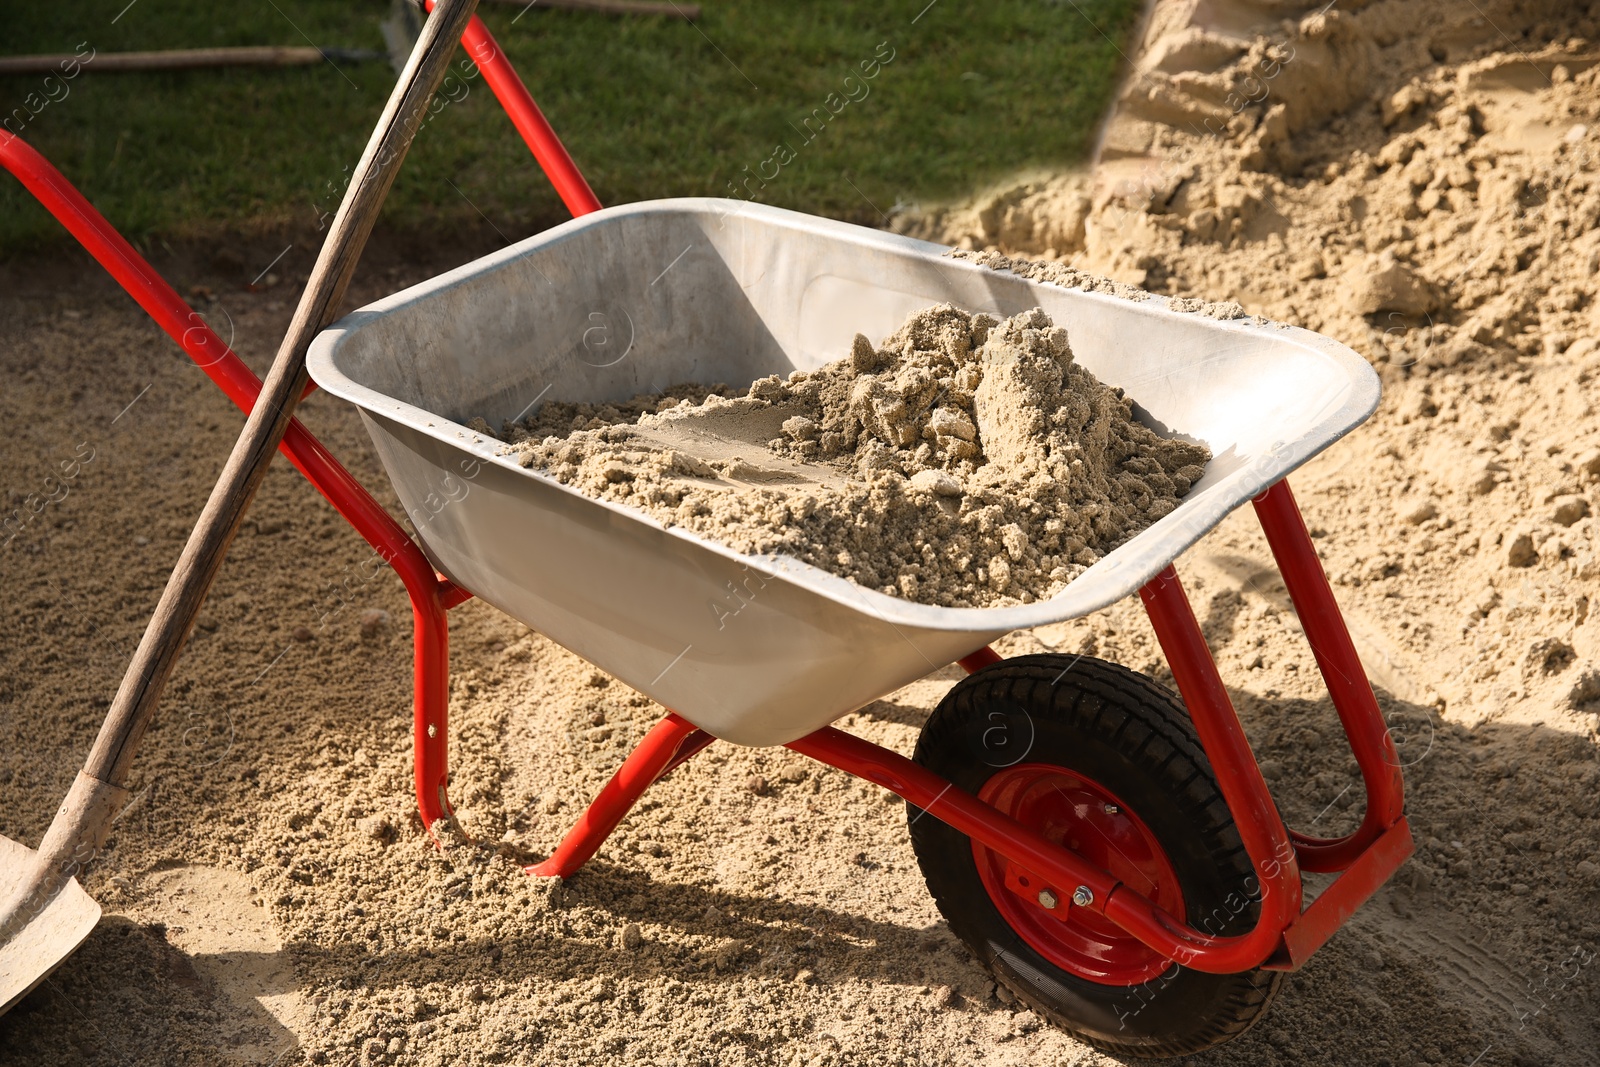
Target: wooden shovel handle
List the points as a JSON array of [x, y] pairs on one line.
[[170, 59], [174, 617], [687, 11]]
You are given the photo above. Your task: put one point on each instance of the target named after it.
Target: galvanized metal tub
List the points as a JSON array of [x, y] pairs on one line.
[[762, 650]]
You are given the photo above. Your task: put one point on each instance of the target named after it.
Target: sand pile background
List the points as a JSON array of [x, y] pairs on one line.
[[270, 899], [963, 462]]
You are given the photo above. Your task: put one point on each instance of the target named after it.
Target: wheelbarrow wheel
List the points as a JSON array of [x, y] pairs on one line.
[[1105, 761]]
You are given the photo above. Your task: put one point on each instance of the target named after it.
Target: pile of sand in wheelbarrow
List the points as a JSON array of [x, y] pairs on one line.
[[965, 462]]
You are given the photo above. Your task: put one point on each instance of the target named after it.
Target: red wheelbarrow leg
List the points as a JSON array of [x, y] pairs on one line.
[[1347, 683], [430, 730], [671, 742]]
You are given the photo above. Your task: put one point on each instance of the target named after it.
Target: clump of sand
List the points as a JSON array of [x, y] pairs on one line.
[[965, 462]]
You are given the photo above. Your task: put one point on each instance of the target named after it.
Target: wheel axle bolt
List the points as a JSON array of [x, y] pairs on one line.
[[1047, 899], [1082, 896], [1112, 809]]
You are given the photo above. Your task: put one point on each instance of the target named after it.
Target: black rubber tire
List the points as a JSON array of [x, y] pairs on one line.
[[1134, 738]]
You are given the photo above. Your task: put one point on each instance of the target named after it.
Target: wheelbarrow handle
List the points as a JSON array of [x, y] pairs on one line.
[[84, 819]]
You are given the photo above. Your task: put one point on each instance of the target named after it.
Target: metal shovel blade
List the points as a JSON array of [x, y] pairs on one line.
[[50, 936]]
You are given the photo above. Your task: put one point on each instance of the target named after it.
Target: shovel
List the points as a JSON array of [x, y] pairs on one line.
[[44, 913]]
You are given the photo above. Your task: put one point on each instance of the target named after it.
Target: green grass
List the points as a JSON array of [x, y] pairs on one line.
[[649, 107]]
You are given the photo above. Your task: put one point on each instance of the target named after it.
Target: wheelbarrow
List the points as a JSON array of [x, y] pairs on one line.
[[1106, 847]]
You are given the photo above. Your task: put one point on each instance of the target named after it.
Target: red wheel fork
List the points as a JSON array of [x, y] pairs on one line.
[[1383, 840], [1077, 813], [1345, 678]]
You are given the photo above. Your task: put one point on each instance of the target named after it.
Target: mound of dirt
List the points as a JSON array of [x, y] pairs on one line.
[[1425, 197], [964, 462], [1421, 187]]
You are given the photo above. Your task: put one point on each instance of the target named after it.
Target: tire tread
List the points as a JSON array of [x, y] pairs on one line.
[[1128, 709]]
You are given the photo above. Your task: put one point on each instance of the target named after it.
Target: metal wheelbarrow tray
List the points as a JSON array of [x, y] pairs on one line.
[[762, 650], [1067, 854]]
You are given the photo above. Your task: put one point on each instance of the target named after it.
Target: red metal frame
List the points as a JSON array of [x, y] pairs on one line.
[[1284, 935], [431, 594], [525, 115], [671, 742], [1347, 684]]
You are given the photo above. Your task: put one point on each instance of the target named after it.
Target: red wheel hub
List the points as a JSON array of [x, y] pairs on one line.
[[1076, 813]]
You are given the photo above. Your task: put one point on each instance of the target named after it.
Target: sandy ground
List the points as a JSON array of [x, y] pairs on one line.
[[270, 898]]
